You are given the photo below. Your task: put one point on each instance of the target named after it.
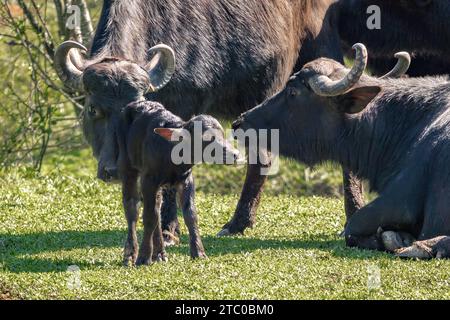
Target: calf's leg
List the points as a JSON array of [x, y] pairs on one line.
[[169, 217], [130, 199], [159, 253], [152, 223], [187, 196]]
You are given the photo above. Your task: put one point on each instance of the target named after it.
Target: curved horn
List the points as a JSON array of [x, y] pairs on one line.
[[69, 64], [324, 86], [161, 68], [402, 66]]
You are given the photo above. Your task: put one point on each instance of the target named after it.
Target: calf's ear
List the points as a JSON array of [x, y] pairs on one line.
[[356, 100], [170, 134], [166, 133]]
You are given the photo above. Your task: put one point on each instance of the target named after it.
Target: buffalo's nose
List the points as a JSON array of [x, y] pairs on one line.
[[111, 172]]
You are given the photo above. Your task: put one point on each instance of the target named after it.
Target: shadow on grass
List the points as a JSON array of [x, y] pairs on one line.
[[16, 250]]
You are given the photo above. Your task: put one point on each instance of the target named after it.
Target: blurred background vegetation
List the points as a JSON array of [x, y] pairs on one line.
[[37, 114], [39, 118]]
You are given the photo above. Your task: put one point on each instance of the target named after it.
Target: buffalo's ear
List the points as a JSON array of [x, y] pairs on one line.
[[356, 100]]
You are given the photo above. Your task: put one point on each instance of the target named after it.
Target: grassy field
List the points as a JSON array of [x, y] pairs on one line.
[[64, 217]]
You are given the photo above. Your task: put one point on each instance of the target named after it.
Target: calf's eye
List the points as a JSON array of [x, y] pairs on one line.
[[292, 92]]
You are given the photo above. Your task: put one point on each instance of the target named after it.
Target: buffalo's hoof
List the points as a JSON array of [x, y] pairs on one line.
[[392, 241], [143, 261], [224, 233], [229, 230], [170, 239]]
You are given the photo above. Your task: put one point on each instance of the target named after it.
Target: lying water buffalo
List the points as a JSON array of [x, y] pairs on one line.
[[144, 136], [393, 132]]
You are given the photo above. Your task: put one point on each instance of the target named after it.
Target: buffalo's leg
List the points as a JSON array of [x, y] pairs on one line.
[[362, 229], [434, 241], [353, 194], [187, 196], [438, 247], [152, 222], [130, 199], [169, 218], [245, 214]]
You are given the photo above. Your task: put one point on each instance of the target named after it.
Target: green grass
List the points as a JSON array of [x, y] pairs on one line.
[[65, 217]]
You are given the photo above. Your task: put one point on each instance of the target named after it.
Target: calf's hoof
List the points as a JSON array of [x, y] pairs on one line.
[[130, 253], [199, 255], [161, 257], [129, 261], [170, 239]]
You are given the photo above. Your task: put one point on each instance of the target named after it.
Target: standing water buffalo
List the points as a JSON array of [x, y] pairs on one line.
[[421, 27], [231, 55], [393, 132], [144, 136]]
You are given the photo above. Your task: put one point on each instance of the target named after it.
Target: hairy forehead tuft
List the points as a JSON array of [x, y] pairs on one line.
[[322, 66]]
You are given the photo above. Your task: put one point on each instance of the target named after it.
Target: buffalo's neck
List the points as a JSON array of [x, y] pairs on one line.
[[377, 143], [123, 30]]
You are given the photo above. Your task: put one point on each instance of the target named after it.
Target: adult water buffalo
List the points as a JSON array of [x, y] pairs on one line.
[[394, 133], [421, 27], [230, 55]]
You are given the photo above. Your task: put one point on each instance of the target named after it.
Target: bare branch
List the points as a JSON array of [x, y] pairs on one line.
[[86, 23], [39, 29]]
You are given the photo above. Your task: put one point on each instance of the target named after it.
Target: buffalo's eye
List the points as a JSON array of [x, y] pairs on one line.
[[94, 112], [306, 85]]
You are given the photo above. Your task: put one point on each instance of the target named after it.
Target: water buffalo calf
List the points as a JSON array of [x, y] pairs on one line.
[[393, 132], [144, 140]]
